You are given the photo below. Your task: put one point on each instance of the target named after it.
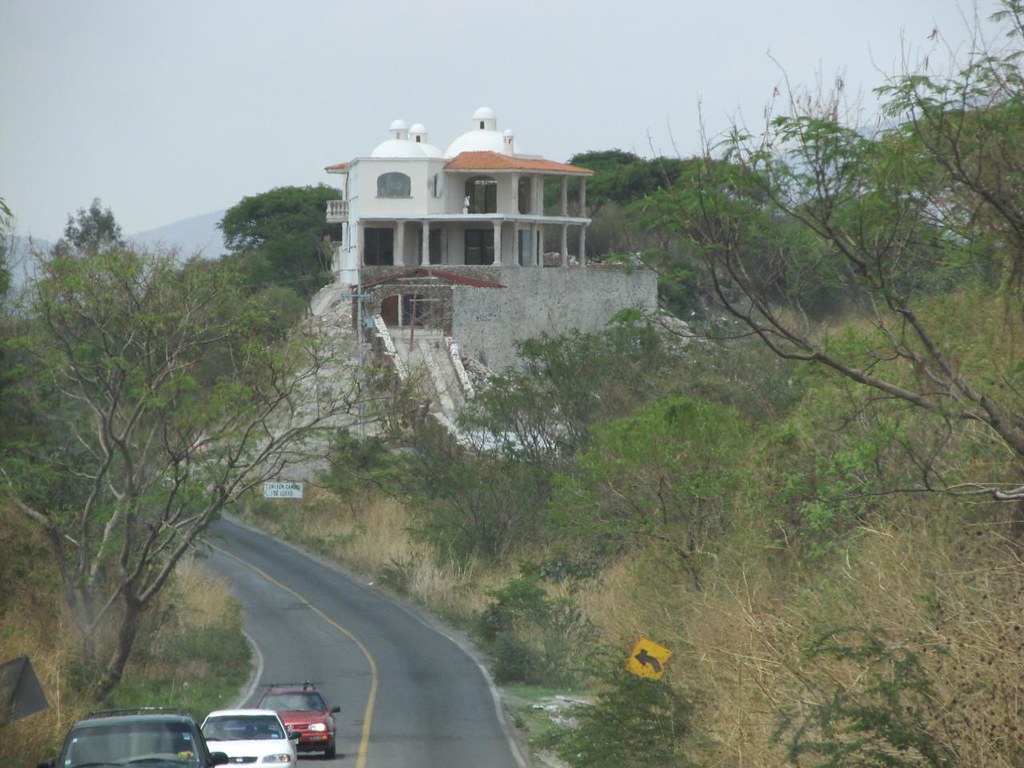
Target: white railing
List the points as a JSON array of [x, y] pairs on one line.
[[337, 211], [389, 347], [460, 369]]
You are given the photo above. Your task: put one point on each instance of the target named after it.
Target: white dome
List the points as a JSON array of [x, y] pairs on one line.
[[399, 130], [418, 135], [430, 150], [398, 148], [477, 141], [484, 136]]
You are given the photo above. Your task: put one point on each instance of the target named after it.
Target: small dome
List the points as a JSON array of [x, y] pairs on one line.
[[484, 113], [417, 128], [399, 130]]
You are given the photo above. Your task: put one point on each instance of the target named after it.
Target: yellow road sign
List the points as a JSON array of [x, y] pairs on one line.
[[648, 658]]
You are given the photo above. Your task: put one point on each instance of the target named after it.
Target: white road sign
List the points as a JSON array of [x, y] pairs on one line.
[[279, 490]]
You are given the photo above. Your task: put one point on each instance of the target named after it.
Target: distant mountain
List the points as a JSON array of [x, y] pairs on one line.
[[197, 235], [18, 252]]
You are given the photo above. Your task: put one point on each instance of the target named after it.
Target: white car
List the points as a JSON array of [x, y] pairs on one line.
[[250, 737]]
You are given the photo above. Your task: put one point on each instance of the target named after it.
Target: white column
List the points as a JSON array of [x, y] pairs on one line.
[[540, 246], [565, 244], [497, 243], [583, 246], [399, 243], [425, 247], [565, 195]]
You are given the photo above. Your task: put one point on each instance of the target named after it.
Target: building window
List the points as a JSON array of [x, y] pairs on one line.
[[482, 194], [525, 194], [480, 246], [378, 246], [437, 185], [525, 250], [394, 185]]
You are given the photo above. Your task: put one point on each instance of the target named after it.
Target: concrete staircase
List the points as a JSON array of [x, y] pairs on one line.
[[432, 360]]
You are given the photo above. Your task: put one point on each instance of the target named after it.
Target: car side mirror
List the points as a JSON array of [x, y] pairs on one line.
[[218, 758], [294, 735], [51, 763], [335, 710]]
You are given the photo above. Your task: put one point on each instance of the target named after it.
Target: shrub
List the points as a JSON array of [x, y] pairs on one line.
[[635, 722], [878, 718]]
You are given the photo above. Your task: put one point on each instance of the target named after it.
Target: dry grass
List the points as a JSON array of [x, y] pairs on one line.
[[207, 594], [34, 623], [954, 600], [740, 642], [376, 540]]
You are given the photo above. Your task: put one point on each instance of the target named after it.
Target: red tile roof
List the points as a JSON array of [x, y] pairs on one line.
[[496, 161]]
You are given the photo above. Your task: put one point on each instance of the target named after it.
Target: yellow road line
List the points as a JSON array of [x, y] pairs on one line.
[[364, 741]]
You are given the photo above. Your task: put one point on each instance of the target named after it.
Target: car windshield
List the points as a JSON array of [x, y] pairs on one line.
[[242, 728], [293, 702], [153, 744]]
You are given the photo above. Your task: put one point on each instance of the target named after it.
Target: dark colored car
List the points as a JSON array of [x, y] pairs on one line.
[[156, 737], [304, 710]]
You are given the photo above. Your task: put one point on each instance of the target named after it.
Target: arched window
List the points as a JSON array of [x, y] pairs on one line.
[[394, 184], [482, 194]]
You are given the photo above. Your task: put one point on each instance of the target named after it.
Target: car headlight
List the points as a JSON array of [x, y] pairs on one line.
[[317, 727], [281, 759]]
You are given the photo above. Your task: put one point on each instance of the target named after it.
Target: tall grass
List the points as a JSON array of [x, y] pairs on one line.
[[376, 540], [191, 653]]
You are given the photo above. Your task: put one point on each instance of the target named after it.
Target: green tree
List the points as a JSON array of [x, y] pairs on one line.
[[90, 230], [543, 409], [162, 394], [663, 476], [623, 177], [5, 230], [282, 236], [934, 203], [474, 502], [8, 409], [620, 180]]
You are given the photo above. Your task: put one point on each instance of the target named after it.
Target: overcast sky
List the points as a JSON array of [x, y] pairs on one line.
[[168, 110]]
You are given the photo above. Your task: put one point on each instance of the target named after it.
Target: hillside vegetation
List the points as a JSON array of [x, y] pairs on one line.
[[762, 520], [810, 491]]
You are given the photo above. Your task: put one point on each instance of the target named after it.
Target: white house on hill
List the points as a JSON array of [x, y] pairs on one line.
[[460, 240]]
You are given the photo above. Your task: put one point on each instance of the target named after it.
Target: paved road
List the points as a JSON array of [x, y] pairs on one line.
[[410, 696]]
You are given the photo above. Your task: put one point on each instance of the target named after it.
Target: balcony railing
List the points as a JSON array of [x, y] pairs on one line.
[[337, 211]]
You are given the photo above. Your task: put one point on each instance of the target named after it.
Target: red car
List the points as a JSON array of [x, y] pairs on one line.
[[305, 711]]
